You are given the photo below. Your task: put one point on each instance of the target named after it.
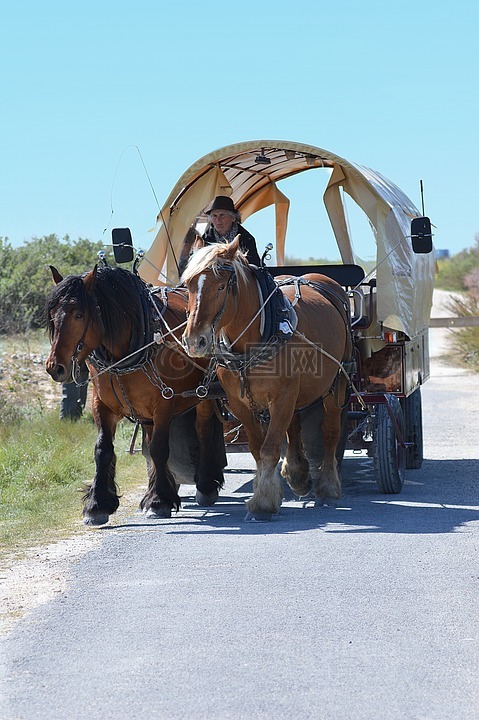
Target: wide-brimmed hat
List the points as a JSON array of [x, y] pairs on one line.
[[222, 202]]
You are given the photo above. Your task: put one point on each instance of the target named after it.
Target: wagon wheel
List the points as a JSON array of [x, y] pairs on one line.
[[412, 410], [389, 457]]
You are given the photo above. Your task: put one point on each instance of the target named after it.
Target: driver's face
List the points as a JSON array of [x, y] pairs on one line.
[[222, 221]]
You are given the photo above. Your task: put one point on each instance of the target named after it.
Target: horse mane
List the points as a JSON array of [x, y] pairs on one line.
[[214, 257], [116, 299]]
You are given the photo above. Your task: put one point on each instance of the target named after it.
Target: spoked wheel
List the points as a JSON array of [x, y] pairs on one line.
[[412, 410], [389, 457]]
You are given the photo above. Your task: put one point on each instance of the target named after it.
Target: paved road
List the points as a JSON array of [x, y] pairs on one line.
[[367, 611]]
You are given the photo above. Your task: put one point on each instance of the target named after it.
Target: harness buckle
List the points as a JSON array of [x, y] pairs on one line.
[[201, 391], [167, 393]]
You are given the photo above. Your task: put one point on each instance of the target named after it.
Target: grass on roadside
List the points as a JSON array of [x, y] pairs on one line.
[[44, 466], [466, 340]]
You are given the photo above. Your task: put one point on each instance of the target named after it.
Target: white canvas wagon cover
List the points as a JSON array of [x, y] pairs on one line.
[[249, 172]]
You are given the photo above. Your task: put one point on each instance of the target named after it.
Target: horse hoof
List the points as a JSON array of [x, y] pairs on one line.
[[206, 500], [160, 513], [258, 516], [327, 503], [94, 520]]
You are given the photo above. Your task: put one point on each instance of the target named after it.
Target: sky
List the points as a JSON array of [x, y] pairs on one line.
[[104, 105]]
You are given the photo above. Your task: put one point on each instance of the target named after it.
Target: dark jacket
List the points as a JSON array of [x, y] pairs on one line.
[[247, 243]]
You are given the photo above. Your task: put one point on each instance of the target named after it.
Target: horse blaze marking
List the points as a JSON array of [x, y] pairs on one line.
[[201, 282]]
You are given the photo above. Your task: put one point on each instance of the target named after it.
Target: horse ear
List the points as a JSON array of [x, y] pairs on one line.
[[232, 248], [57, 278], [198, 244], [90, 279]]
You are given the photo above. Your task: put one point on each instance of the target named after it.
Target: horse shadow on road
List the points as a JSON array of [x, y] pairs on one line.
[[441, 497]]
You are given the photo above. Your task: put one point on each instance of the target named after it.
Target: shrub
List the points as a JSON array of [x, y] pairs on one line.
[[25, 277], [453, 271]]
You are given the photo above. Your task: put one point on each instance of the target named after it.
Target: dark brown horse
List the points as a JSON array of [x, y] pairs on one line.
[[267, 384], [108, 318]]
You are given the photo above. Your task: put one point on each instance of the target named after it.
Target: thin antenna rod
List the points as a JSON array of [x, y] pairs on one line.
[[422, 197]]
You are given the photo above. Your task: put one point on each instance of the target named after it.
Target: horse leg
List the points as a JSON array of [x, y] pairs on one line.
[[311, 436], [268, 489], [146, 431], [295, 466], [209, 476], [101, 497], [253, 428], [162, 494], [328, 484]]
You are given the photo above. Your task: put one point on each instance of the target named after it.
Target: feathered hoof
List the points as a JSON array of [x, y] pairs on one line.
[[159, 512], [301, 491], [255, 516], [94, 520], [325, 503], [205, 500]]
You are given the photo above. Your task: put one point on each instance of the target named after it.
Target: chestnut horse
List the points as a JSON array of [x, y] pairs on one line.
[[107, 317], [266, 392]]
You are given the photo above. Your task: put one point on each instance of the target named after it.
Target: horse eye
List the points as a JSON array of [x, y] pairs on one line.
[[221, 287], [79, 315]]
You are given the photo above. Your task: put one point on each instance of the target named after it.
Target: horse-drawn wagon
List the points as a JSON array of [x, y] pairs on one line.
[[389, 300]]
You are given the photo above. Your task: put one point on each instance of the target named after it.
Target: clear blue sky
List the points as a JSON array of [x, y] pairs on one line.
[[393, 86]]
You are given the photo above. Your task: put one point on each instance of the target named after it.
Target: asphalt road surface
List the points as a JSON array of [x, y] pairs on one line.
[[364, 611]]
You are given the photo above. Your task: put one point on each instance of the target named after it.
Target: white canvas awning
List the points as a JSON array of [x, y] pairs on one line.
[[404, 280]]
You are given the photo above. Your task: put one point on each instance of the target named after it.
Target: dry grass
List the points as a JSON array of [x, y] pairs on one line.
[[466, 340]]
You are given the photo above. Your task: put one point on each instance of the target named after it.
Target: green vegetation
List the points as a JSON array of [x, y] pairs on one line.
[[460, 274], [457, 272], [25, 277], [466, 340], [45, 464], [290, 260]]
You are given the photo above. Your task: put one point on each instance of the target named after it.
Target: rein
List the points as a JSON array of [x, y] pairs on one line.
[[234, 361], [146, 362], [240, 363], [256, 315], [332, 296]]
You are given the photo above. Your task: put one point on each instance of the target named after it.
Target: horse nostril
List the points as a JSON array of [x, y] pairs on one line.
[[202, 342], [58, 372]]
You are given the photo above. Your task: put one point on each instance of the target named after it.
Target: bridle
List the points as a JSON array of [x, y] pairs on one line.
[[231, 286], [80, 345]]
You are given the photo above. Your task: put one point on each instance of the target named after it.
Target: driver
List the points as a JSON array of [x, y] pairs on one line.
[[224, 225]]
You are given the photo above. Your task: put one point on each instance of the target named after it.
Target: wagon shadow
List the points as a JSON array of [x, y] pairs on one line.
[[442, 505]]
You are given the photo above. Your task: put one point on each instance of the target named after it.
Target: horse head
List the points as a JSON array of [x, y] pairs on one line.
[[74, 323], [212, 278]]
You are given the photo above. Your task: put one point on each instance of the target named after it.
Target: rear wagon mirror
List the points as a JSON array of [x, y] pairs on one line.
[[122, 245], [421, 235]]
